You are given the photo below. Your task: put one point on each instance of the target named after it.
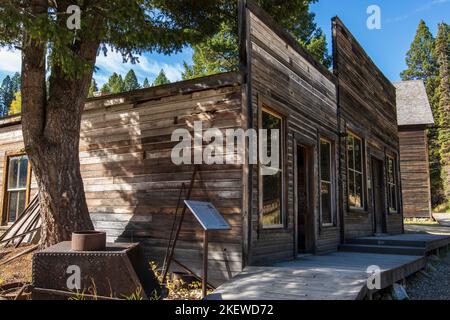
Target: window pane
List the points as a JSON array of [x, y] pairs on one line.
[[358, 155], [350, 152], [359, 190], [351, 188], [21, 203], [272, 184], [390, 171], [326, 203], [13, 173], [23, 173], [272, 192], [270, 122], [325, 161], [12, 206]]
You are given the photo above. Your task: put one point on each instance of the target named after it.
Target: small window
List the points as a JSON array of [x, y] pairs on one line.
[[272, 185], [355, 160], [326, 184], [392, 185], [16, 187]]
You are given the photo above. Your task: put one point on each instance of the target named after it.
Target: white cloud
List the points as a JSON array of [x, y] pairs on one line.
[[146, 68], [10, 60], [422, 8]]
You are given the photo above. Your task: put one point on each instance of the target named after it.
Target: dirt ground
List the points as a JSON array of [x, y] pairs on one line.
[[18, 270]]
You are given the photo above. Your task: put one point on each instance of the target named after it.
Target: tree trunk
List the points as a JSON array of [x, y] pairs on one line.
[[51, 132]]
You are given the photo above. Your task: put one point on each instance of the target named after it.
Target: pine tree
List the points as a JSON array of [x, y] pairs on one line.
[[123, 26], [131, 82], [442, 55], [93, 88], [9, 87], [219, 53], [5, 96], [16, 104], [146, 83], [161, 79], [422, 65], [115, 84]]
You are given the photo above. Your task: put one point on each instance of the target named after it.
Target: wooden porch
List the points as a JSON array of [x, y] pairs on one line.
[[335, 276]]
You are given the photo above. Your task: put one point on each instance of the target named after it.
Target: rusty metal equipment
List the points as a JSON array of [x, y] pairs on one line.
[[118, 272], [88, 241]]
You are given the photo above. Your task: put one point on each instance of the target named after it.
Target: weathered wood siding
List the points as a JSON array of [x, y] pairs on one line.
[[367, 103], [132, 186], [415, 172], [285, 79]]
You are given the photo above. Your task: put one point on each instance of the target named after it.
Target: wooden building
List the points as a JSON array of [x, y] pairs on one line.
[[371, 199], [414, 118], [338, 169]]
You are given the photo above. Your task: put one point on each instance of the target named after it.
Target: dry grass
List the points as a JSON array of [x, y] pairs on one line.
[[420, 221], [177, 289], [18, 270], [443, 208]]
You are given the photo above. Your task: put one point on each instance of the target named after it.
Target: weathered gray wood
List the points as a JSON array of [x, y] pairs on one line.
[[337, 276], [415, 175], [367, 106]]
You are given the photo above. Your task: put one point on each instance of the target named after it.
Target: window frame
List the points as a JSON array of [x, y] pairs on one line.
[[393, 184], [264, 108], [5, 196], [331, 183], [363, 207]]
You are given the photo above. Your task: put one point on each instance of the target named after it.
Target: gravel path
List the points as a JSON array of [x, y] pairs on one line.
[[434, 284]]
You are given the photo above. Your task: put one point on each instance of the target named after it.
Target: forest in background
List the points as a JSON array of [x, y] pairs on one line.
[[428, 60]]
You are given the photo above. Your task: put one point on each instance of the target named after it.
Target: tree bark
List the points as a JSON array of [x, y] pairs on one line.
[[51, 132]]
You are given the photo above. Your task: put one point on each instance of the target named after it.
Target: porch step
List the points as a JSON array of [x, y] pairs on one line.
[[383, 249], [387, 242]]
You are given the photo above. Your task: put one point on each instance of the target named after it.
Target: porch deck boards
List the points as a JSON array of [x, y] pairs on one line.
[[336, 276], [429, 241]]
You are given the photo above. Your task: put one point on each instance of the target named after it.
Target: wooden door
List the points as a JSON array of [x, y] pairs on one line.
[[305, 219]]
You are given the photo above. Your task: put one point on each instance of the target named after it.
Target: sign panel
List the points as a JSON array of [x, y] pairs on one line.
[[207, 215]]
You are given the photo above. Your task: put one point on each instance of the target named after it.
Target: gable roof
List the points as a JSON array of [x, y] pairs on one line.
[[413, 106]]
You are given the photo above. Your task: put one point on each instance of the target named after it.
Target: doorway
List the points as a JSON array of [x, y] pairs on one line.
[[378, 197], [305, 220]]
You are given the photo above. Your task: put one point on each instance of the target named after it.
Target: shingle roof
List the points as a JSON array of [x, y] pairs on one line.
[[413, 106]]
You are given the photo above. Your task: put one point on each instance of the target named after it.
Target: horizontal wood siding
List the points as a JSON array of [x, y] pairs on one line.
[[132, 186], [415, 173], [367, 103], [284, 80]]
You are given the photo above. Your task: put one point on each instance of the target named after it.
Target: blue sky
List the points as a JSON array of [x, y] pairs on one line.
[[400, 18], [387, 47]]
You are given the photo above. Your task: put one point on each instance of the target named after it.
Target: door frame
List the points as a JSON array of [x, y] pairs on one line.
[[309, 148], [381, 162]]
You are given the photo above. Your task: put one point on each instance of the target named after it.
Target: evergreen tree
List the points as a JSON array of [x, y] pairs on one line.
[[442, 55], [161, 79], [93, 88], [420, 59], [5, 96], [219, 53], [146, 83], [51, 120], [16, 104], [422, 65], [115, 84], [131, 82], [8, 88]]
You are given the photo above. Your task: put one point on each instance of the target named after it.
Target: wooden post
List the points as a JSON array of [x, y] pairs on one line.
[[205, 264]]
